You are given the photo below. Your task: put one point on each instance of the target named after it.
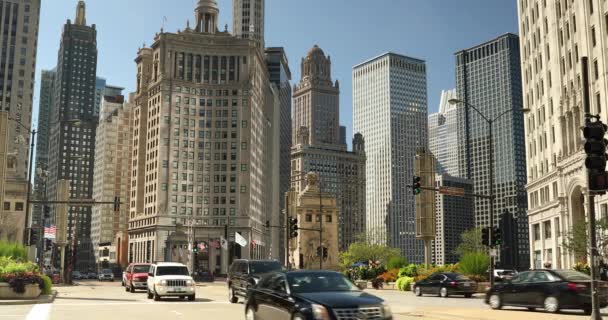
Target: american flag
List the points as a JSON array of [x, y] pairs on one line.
[[202, 246], [50, 232], [254, 244]]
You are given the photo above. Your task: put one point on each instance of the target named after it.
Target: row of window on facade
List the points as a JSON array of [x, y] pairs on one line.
[[18, 206]]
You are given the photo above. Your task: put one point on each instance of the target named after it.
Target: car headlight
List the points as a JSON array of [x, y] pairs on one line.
[[319, 312], [189, 282], [386, 310], [163, 282]]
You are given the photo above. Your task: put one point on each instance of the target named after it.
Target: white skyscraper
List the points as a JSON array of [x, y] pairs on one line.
[[248, 20], [390, 111], [443, 135]]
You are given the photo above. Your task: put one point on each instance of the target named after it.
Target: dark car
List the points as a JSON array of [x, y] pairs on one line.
[[551, 290], [310, 295], [244, 274], [446, 284]]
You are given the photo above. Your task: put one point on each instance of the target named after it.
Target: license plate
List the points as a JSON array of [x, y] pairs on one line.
[[177, 290], [467, 284]]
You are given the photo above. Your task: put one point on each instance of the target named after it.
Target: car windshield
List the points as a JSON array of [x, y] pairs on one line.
[[319, 282], [171, 271], [141, 269], [264, 267], [571, 275], [106, 271]]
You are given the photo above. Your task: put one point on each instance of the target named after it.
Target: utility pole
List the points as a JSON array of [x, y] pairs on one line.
[[424, 168], [320, 225], [61, 221]]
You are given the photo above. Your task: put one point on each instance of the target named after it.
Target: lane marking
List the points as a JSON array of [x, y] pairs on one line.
[[137, 303], [39, 312], [177, 313]]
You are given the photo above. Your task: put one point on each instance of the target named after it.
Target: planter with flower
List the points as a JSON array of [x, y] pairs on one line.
[[20, 279]]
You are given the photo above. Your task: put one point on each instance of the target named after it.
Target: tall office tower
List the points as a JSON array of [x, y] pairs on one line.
[[553, 92], [248, 20], [72, 132], [488, 77], [280, 76], [19, 37], [390, 110], [317, 147], [112, 174], [100, 87], [206, 146], [444, 136], [454, 217]]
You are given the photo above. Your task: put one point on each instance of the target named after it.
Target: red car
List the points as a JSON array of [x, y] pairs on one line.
[[136, 276]]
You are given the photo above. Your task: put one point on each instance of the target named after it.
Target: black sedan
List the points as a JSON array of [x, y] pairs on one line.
[[551, 290], [312, 295], [445, 284]]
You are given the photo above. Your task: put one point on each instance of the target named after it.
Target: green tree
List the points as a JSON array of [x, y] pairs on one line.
[[363, 251], [470, 242], [474, 264], [577, 243], [396, 262]]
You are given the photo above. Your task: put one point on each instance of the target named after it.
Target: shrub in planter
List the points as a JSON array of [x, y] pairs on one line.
[[389, 276], [378, 283], [13, 250], [474, 264], [404, 283], [18, 281], [48, 285], [410, 270]]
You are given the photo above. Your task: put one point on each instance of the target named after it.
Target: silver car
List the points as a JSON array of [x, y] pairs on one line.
[[106, 275]]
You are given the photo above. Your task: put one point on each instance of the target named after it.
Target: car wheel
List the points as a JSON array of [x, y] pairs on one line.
[[150, 296], [298, 316], [495, 302], [156, 297], [417, 291], [468, 295], [191, 298], [132, 289], [443, 292], [551, 304], [182, 297], [250, 313], [231, 296], [588, 311], [123, 283], [127, 288], [531, 309]]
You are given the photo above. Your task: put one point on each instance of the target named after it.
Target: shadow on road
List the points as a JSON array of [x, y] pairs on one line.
[[181, 300]]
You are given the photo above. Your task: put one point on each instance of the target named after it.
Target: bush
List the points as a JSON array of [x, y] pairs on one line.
[[474, 264], [396, 263], [8, 266], [18, 281], [404, 283], [582, 267], [390, 276], [14, 251], [48, 285], [410, 270]]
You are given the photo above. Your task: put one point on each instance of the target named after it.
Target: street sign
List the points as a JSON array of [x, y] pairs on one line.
[[451, 191], [493, 253]]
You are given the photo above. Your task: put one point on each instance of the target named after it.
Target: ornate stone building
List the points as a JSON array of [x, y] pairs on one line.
[[205, 144], [315, 210], [318, 146]]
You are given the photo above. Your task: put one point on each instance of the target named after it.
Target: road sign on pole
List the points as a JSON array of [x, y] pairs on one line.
[[452, 191]]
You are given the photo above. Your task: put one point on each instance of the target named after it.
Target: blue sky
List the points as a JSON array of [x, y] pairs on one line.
[[351, 31]]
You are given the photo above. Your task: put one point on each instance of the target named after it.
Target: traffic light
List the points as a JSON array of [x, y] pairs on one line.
[[416, 186], [293, 227], [47, 212], [33, 237], [595, 148], [496, 237], [48, 244], [319, 251], [195, 247], [485, 236], [116, 203], [325, 253], [267, 224]]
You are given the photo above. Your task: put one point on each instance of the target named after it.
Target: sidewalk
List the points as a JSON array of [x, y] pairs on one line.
[[443, 313], [41, 300]]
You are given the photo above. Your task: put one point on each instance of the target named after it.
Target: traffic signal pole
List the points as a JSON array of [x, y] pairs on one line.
[[595, 310]]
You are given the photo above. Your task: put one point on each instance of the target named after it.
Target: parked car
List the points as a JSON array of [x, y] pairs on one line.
[[92, 275], [309, 295], [244, 274], [106, 275], [170, 279], [136, 276], [503, 274], [551, 290], [76, 275], [446, 284]]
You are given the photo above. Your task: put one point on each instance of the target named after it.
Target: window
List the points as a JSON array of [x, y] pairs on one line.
[[557, 228], [19, 206], [593, 38], [536, 228], [7, 206], [243, 189], [598, 102], [328, 218], [596, 70], [547, 227], [591, 6], [308, 217]]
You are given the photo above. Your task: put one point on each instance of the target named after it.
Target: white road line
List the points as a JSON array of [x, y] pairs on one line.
[[177, 313], [39, 312], [58, 305]]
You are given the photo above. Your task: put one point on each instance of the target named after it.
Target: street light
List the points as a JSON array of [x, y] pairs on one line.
[[490, 122], [33, 133]]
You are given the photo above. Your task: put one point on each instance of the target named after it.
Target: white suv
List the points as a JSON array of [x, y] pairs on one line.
[[170, 279]]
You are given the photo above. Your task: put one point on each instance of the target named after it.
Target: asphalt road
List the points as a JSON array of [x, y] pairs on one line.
[[109, 301]]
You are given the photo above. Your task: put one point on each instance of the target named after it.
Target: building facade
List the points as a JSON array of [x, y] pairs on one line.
[[390, 110], [317, 146], [205, 147], [454, 216], [111, 177], [444, 136], [248, 20], [551, 68], [19, 22], [72, 132], [100, 88], [280, 75], [488, 77]]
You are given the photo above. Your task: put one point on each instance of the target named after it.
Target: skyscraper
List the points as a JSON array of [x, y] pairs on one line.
[[72, 131], [280, 76], [317, 146], [390, 110], [19, 20], [552, 90], [248, 20], [205, 122], [488, 76], [444, 136], [100, 87]]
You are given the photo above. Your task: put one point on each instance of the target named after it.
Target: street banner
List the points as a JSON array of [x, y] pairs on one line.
[[224, 243], [240, 240]]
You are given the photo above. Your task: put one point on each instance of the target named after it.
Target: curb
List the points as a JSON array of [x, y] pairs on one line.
[[43, 299]]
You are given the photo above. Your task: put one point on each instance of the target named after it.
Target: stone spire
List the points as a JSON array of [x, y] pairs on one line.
[[81, 19]]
